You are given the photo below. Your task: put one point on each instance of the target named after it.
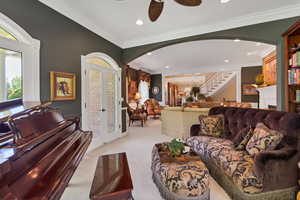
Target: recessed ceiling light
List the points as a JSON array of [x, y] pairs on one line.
[[227, 61], [237, 40], [167, 67], [139, 22], [149, 54], [224, 1]]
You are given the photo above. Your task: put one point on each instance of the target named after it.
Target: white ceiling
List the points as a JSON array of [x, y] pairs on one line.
[[203, 56], [115, 19]]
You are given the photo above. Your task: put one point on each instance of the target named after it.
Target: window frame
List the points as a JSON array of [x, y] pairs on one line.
[[30, 49]]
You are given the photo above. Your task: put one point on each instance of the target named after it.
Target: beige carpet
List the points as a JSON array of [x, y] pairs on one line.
[[138, 145]]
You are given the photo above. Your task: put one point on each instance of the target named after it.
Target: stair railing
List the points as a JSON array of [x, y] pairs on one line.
[[213, 81]]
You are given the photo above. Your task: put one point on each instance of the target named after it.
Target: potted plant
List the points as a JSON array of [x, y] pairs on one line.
[[259, 80], [189, 99], [176, 147]]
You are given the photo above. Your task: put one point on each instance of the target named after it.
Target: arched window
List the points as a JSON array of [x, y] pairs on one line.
[[5, 34], [19, 63]]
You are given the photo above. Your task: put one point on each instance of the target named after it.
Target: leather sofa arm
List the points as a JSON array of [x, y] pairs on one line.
[[195, 129], [277, 168], [284, 153]]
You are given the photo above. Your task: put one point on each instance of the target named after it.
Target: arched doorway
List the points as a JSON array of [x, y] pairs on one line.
[[101, 97]]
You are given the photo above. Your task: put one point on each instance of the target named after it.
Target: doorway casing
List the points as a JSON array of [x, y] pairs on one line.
[[103, 59]]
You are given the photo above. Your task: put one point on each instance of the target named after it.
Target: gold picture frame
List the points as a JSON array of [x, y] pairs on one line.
[[63, 86]]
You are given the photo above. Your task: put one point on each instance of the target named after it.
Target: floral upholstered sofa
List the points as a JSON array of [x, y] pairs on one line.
[[266, 175]]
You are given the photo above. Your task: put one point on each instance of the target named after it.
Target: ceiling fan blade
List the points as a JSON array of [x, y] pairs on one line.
[[189, 2], [155, 9]]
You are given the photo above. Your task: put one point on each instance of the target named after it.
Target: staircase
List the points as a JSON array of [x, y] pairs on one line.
[[215, 82]]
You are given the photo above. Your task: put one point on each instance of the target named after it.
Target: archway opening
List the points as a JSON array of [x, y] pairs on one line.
[[230, 71]]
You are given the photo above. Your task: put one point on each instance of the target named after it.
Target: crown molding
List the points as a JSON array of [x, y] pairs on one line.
[[72, 14], [250, 19]]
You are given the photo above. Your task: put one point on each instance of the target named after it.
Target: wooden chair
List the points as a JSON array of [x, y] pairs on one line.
[[137, 115], [153, 108]]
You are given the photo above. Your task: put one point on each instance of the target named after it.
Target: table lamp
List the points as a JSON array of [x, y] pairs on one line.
[[137, 97]]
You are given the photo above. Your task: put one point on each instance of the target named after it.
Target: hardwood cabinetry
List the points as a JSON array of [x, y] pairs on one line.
[[172, 94], [292, 69], [269, 69]]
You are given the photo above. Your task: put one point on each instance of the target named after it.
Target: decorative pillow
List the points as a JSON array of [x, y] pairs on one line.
[[263, 139], [240, 136], [212, 125], [242, 145]]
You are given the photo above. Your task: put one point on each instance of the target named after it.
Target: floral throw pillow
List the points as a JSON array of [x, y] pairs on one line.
[[240, 136], [263, 139], [242, 145], [212, 125]]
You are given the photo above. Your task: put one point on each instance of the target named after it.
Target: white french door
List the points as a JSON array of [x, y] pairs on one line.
[[101, 110], [94, 104]]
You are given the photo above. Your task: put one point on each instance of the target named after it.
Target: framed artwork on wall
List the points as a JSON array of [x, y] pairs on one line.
[[63, 86], [249, 89]]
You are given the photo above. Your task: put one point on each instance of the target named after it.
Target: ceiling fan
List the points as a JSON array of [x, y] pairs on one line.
[[156, 7]]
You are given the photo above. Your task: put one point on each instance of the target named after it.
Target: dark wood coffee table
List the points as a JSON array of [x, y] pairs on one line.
[[112, 180]]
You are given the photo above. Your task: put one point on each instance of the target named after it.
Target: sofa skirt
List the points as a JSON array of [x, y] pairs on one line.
[[167, 195], [236, 194]]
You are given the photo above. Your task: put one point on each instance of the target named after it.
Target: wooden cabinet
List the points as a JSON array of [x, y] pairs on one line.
[[172, 94], [269, 69], [292, 80]]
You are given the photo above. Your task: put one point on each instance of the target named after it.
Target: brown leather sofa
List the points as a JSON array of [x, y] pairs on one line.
[[276, 169], [211, 104]]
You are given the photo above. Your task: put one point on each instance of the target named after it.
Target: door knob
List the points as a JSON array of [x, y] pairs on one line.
[[103, 110]]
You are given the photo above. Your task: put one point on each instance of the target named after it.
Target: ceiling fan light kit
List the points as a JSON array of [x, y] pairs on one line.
[[156, 7]]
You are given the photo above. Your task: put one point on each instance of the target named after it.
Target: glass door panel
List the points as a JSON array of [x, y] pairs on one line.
[[94, 101], [110, 100]]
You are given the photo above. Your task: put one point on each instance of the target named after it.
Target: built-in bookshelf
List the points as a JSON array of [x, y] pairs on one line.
[[292, 68]]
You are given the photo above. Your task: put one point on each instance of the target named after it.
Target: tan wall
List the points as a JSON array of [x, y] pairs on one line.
[[228, 92]]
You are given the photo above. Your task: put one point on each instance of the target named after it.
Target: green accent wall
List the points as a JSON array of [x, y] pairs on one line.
[[63, 41], [156, 81], [269, 32]]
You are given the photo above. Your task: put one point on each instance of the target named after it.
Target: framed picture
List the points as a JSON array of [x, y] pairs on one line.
[[63, 86], [249, 89], [155, 90]]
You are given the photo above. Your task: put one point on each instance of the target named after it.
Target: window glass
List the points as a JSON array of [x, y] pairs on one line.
[[7, 35], [10, 75]]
